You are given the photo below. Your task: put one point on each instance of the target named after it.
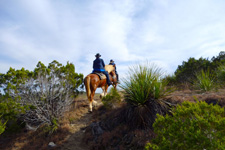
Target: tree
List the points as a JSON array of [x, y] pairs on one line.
[[186, 72], [46, 92]]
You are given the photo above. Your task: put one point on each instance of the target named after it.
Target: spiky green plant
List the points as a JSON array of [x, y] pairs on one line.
[[143, 90], [205, 81], [143, 83]]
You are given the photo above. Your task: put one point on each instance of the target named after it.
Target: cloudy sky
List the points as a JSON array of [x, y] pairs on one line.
[[165, 32]]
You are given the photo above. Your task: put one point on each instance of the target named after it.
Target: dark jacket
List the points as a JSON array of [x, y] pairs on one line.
[[99, 64]]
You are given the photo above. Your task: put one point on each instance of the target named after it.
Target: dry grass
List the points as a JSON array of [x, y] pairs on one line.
[[39, 140]]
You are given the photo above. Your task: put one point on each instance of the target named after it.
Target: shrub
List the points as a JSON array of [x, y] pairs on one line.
[[112, 99], [143, 83], [143, 90], [205, 81], [2, 126], [192, 126], [221, 74], [40, 96]]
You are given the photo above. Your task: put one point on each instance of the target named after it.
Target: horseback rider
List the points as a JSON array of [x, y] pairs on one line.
[[112, 63], [99, 66]]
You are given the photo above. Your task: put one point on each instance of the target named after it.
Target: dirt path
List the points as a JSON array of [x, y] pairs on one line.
[[78, 129], [74, 141]]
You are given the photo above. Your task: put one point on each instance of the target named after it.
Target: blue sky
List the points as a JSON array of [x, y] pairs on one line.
[[165, 32]]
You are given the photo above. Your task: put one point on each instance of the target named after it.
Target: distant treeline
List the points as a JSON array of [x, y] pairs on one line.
[[186, 73]]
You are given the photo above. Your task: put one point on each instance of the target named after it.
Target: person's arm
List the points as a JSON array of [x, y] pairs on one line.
[[103, 63]]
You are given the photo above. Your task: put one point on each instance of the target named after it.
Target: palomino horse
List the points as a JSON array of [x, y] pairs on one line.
[[92, 82]]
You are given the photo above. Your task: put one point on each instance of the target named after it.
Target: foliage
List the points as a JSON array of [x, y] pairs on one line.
[[143, 83], [112, 99], [2, 125], [170, 79], [205, 81], [221, 74], [10, 110], [39, 96], [186, 72], [191, 126], [143, 90]]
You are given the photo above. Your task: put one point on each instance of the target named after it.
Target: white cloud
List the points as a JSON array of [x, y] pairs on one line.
[[128, 31]]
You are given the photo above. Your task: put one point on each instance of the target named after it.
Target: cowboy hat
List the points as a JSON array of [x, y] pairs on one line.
[[97, 55], [111, 60]]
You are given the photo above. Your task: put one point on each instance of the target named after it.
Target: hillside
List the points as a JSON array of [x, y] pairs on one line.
[[77, 132]]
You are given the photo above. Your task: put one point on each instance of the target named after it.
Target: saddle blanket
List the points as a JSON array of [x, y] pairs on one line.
[[101, 75]]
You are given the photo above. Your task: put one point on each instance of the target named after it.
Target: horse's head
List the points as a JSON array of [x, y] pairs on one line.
[[110, 68]]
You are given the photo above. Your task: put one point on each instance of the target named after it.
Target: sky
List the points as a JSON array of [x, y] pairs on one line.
[[163, 32]]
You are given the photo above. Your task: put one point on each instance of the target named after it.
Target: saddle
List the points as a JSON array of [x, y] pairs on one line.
[[100, 74]]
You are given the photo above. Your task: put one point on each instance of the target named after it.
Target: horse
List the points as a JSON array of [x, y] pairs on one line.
[[92, 82]]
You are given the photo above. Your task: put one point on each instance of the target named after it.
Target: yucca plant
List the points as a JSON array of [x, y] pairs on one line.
[[143, 90], [205, 80]]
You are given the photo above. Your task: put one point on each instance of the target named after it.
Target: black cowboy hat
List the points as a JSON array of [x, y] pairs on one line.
[[97, 55], [111, 60]]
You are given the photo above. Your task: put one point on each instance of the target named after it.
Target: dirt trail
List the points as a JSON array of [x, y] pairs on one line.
[[74, 141], [78, 129]]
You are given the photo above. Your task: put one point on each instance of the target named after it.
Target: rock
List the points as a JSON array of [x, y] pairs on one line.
[[51, 145]]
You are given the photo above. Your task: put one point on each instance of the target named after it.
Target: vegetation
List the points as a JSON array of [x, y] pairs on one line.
[[188, 70], [205, 81], [191, 126], [221, 74], [40, 96], [2, 126], [142, 91], [112, 99]]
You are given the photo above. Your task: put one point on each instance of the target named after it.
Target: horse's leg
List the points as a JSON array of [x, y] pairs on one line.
[[106, 88], [94, 103], [103, 92]]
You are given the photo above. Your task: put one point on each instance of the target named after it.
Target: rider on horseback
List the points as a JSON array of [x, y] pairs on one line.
[[98, 66], [112, 63]]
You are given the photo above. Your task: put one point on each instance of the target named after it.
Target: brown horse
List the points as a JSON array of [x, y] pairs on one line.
[[92, 82]]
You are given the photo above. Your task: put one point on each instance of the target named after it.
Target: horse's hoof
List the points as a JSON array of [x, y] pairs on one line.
[[89, 111]]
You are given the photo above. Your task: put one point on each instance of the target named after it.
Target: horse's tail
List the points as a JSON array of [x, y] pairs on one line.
[[87, 86]]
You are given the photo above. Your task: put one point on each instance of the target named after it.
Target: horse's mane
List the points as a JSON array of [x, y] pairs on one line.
[[109, 68]]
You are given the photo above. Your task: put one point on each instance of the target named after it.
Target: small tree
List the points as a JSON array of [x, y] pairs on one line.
[[46, 91], [192, 126]]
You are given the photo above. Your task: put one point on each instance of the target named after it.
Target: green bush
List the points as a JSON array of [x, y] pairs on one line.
[[205, 81], [192, 126], [221, 74], [10, 112], [112, 99], [2, 126]]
